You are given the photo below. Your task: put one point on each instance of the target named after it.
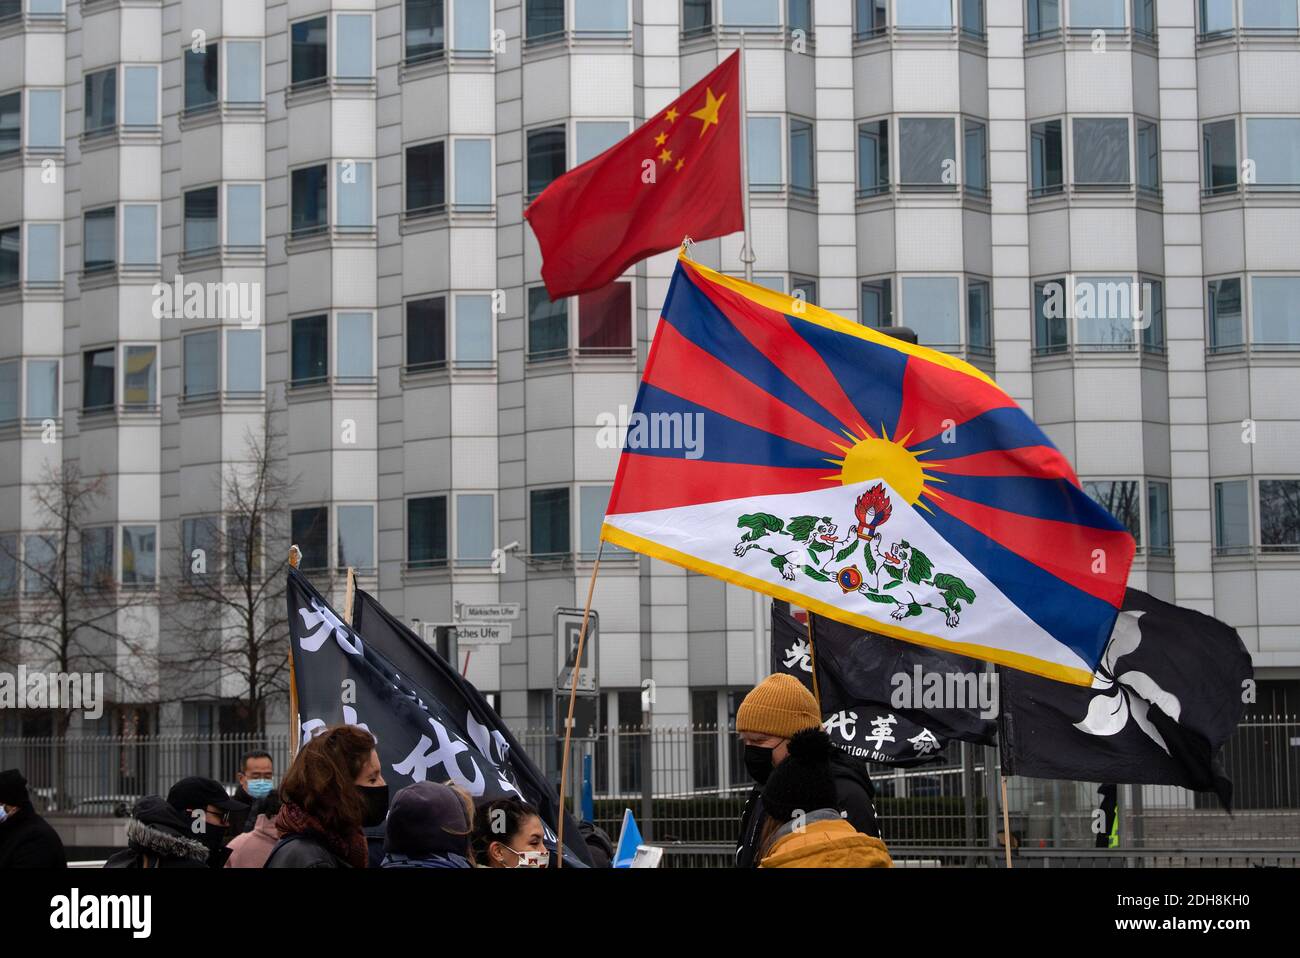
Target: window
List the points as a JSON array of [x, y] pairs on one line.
[[202, 79], [697, 16], [798, 16], [543, 19], [11, 119], [1144, 18], [244, 215], [426, 183], [592, 503], [425, 24], [99, 242], [1219, 156], [872, 17], [1097, 14], [975, 156], [594, 137], [97, 557], [1148, 156], [474, 330], [475, 529], [1275, 311], [356, 363], [39, 560], [924, 14], [1273, 146], [1051, 321], [931, 307], [549, 522], [357, 537], [309, 61], [140, 97], [426, 532], [877, 304], [751, 13], [99, 370], [202, 231], [310, 200], [1120, 498], [10, 409], [873, 157], [200, 542], [354, 60], [1217, 16], [140, 377], [1101, 152], [775, 283], [979, 330], [473, 174], [201, 360], [605, 320], [1231, 517], [139, 556], [1268, 15], [1105, 310], [704, 744], [548, 325], [44, 250], [473, 26], [1279, 515], [802, 179], [804, 289], [310, 349], [764, 149], [244, 362], [243, 71], [10, 253], [426, 334], [45, 119], [42, 389], [1158, 525], [927, 154], [101, 100], [545, 157], [8, 565], [1152, 320], [310, 530], [1227, 330], [1046, 158], [140, 234], [355, 197], [972, 17]]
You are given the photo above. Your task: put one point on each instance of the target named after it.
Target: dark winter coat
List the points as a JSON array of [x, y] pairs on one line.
[[159, 836], [303, 851], [438, 860], [29, 841], [853, 796]]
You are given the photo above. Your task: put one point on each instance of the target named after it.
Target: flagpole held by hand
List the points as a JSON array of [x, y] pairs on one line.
[[295, 556], [812, 658]]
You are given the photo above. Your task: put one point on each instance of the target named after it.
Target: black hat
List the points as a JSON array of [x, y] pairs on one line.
[[803, 782], [13, 788], [196, 792], [424, 819]]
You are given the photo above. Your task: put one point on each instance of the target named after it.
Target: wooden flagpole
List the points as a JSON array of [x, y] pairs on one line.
[[812, 656], [573, 697], [1006, 821], [348, 595], [295, 556]]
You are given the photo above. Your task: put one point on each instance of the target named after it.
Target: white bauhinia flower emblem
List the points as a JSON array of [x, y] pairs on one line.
[[1126, 692], [320, 624]]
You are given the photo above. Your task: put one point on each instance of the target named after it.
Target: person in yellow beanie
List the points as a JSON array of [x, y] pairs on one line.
[[772, 713]]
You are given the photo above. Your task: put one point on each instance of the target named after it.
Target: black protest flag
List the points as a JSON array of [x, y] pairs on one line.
[[860, 675], [1167, 695], [429, 723]]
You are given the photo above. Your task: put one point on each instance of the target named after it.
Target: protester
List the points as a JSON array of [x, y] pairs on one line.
[[771, 714], [599, 845], [802, 828], [508, 834], [188, 830], [255, 780], [252, 848], [26, 839], [334, 788], [429, 827]]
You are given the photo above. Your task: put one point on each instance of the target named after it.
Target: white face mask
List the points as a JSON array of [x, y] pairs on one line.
[[533, 859]]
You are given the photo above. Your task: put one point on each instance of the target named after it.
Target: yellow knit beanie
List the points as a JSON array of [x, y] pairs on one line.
[[780, 706]]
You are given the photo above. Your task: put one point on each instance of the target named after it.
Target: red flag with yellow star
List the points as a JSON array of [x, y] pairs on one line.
[[677, 175]]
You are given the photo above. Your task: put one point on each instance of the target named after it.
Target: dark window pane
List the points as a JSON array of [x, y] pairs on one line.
[[310, 528], [543, 18], [873, 157], [1051, 319], [425, 28], [201, 229], [1044, 17], [426, 333], [549, 522], [101, 100], [201, 81], [1220, 155], [310, 347], [1047, 173], [11, 112], [1101, 151], [605, 320], [426, 177], [10, 242], [99, 372], [704, 738], [545, 157], [139, 555], [200, 543], [1227, 329], [548, 325], [97, 557], [1121, 499], [1279, 514], [100, 239], [426, 531], [872, 17], [310, 60], [927, 153], [696, 15], [310, 199], [877, 304]]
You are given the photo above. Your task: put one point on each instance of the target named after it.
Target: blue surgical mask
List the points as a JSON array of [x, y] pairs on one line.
[[4, 813], [258, 787]]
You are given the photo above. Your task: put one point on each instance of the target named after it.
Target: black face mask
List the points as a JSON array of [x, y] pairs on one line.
[[376, 799], [214, 837], [758, 762]]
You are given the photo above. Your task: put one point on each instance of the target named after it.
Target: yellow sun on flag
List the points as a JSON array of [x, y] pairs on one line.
[[872, 457]]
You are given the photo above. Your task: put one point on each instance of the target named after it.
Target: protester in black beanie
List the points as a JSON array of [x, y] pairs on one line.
[[26, 839], [428, 827]]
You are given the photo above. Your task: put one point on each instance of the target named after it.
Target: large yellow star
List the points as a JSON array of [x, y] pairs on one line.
[[680, 164], [671, 115], [709, 112], [659, 140], [665, 156]]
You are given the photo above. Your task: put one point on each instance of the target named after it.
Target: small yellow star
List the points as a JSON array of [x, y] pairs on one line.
[[671, 115], [680, 164], [659, 140], [709, 112], [665, 156]]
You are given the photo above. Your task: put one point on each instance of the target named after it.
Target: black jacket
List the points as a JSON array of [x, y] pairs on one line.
[[29, 841], [853, 796], [159, 837], [303, 851]]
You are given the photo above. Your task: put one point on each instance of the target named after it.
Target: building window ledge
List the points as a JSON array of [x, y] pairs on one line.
[[28, 292], [1119, 354], [208, 403], [30, 156], [121, 275], [325, 88], [114, 137], [335, 237], [220, 257], [560, 362]]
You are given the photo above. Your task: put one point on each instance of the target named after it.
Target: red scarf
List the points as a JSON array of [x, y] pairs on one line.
[[292, 820]]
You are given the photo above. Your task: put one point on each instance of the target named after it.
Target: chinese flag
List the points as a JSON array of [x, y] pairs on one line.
[[676, 176]]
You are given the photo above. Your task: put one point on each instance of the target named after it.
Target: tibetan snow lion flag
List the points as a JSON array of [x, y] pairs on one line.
[[783, 448]]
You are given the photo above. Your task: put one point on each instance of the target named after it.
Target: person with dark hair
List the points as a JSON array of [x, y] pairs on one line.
[[802, 828], [334, 788], [508, 834], [26, 839], [255, 780], [428, 827], [252, 848], [187, 830]]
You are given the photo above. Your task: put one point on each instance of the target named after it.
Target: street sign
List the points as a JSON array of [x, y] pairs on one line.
[[568, 628], [586, 714], [482, 633], [492, 612]]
